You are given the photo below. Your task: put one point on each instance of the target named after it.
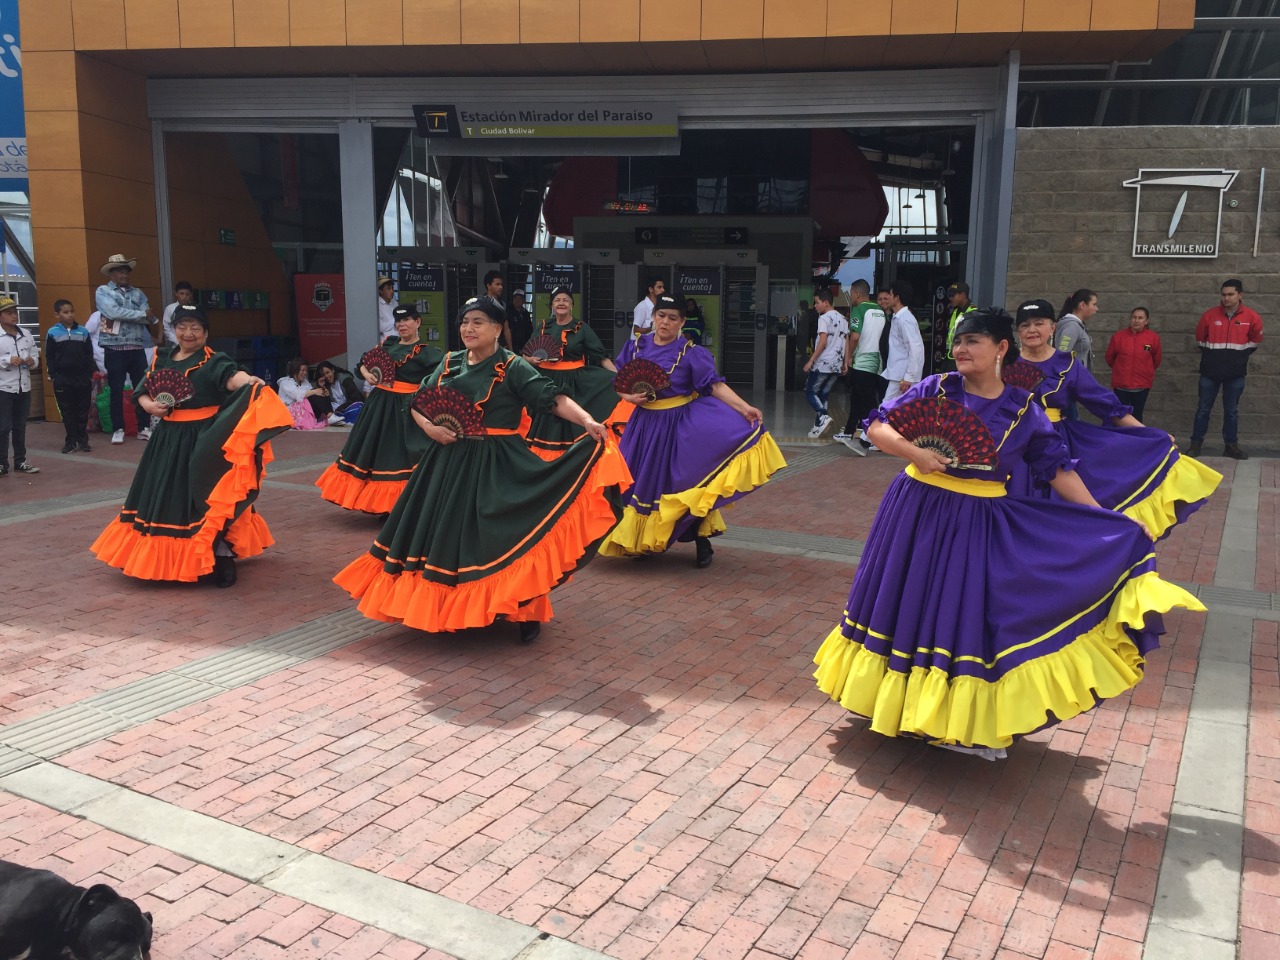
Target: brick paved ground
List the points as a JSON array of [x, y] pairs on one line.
[[657, 777]]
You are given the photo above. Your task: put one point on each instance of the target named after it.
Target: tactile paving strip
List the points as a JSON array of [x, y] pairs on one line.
[[51, 734]]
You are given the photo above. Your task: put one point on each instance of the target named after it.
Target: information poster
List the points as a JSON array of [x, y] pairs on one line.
[[423, 287], [321, 302], [702, 286], [545, 279]]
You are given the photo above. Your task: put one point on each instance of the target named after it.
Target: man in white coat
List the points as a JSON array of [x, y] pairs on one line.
[[905, 365]]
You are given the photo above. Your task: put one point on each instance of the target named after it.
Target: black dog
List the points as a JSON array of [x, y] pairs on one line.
[[42, 915]]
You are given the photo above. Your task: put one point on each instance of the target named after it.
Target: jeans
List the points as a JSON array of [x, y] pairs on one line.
[[816, 390], [73, 403], [14, 408], [1231, 392], [1134, 398], [122, 363], [866, 390]]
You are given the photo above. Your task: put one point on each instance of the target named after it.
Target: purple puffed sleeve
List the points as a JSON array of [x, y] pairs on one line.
[[928, 387], [1045, 452], [701, 368], [1096, 398], [627, 352]]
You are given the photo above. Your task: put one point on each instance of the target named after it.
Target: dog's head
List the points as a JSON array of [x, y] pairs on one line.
[[107, 926]]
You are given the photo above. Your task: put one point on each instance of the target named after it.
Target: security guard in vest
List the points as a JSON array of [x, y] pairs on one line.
[[958, 294]]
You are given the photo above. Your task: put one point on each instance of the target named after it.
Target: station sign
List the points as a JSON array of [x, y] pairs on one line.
[[545, 120], [1178, 212]]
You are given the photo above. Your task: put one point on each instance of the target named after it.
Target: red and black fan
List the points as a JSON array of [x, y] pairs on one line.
[[949, 429], [450, 408], [641, 376], [545, 347], [169, 388], [381, 364], [1022, 374]]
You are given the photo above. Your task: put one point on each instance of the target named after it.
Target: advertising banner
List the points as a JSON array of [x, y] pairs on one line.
[[702, 285], [322, 315], [546, 278], [424, 288], [13, 126]]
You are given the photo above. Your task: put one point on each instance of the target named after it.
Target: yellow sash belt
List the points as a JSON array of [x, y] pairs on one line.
[[669, 403], [1054, 414], [966, 485]]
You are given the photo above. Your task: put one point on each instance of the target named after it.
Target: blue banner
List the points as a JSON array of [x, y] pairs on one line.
[[13, 126]]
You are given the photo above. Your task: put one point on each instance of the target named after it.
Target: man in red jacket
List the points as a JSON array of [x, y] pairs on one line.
[[1228, 334], [1133, 354]]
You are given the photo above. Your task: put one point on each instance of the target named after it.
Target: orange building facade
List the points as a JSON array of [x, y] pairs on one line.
[[125, 100]]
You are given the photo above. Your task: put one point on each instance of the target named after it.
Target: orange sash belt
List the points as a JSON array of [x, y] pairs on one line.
[[562, 365], [501, 431], [194, 413], [399, 386]]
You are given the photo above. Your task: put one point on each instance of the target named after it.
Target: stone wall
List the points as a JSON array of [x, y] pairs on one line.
[[1073, 226]]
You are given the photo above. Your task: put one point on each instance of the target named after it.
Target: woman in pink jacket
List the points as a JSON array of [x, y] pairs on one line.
[[1133, 356]]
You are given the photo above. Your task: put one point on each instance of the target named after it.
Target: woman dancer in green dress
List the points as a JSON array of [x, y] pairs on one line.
[[189, 511], [485, 529], [379, 455]]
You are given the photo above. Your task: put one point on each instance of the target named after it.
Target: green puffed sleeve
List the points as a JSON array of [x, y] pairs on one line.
[[535, 391]]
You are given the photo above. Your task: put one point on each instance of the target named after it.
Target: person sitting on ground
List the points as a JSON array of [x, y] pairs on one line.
[[341, 390], [307, 403]]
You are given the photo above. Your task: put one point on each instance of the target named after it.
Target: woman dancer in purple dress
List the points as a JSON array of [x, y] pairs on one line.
[[693, 449], [977, 617], [1128, 467]]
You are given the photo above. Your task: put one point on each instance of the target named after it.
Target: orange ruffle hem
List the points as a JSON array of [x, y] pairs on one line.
[[517, 592], [352, 493]]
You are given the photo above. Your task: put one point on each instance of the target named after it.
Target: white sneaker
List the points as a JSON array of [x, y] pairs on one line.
[[118, 437], [851, 443], [144, 433], [335, 419], [824, 421]]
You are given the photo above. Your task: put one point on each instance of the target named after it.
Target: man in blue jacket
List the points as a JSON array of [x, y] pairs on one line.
[[125, 315], [68, 358]]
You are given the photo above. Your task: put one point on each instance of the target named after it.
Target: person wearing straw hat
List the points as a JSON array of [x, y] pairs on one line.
[[122, 335], [386, 308]]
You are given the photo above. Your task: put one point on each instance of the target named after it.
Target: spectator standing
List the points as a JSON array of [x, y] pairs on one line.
[[958, 295], [827, 361], [642, 315], [184, 294], [868, 329], [386, 308], [18, 357], [1071, 336], [695, 324], [905, 364], [1134, 355], [68, 353], [125, 315], [519, 321], [93, 326], [1227, 334]]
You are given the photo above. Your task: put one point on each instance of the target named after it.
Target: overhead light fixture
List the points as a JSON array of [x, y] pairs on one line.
[[501, 175]]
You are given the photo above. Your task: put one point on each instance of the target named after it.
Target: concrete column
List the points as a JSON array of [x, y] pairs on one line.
[[993, 192], [359, 235]]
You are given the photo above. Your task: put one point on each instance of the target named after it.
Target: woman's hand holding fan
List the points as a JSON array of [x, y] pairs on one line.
[[168, 388], [379, 365], [947, 429], [640, 380], [450, 410]]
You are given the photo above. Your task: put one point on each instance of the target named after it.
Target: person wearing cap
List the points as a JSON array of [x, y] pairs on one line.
[[19, 355], [190, 511], [386, 308], [122, 335], [381, 450], [693, 446], [583, 372], [958, 296], [485, 530], [976, 617], [1126, 466], [68, 352]]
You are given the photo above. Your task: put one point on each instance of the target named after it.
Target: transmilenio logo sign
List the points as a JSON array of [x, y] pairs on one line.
[[1179, 211]]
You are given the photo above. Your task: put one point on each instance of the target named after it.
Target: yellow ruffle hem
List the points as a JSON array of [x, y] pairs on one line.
[[638, 533], [1097, 665], [1188, 481]]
